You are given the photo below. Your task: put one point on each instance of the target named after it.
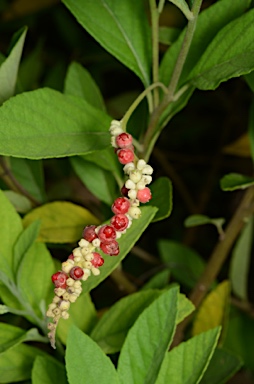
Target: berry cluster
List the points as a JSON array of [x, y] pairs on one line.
[[84, 260]]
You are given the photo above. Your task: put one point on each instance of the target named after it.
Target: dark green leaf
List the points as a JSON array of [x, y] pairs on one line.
[[221, 13], [112, 328], [24, 242], [158, 281], [9, 68], [186, 363], [10, 229], [113, 25], [126, 242], [250, 80], [148, 340], [184, 263], [234, 181], [45, 123], [222, 366], [195, 220], [47, 370], [85, 361], [79, 82], [16, 363], [106, 159], [167, 35], [240, 261], [100, 182], [230, 54], [251, 129], [162, 198]]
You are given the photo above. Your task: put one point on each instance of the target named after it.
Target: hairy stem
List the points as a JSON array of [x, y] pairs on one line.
[[155, 47]]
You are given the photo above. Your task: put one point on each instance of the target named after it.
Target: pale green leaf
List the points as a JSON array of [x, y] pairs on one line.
[[126, 242], [186, 363], [16, 363], [230, 54], [47, 370], [34, 275], [79, 82], [100, 182], [61, 221], [183, 6], [10, 229], [82, 314], [240, 261], [234, 181], [24, 242], [45, 123], [9, 68], [121, 27], [213, 310], [222, 366], [158, 281], [185, 307], [148, 340], [112, 328], [85, 361], [106, 159], [20, 202], [184, 263], [221, 13]]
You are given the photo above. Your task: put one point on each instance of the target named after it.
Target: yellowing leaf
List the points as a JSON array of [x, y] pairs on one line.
[[61, 221], [213, 309], [239, 147]]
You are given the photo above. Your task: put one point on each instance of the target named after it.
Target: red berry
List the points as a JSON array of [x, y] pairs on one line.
[[121, 205], [144, 195], [120, 222], [59, 279], [71, 256], [125, 156], [89, 233], [124, 140], [111, 249], [124, 191], [76, 273], [97, 261], [107, 233]]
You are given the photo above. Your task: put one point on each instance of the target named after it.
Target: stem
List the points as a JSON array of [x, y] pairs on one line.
[[169, 97], [138, 100], [155, 47], [219, 256]]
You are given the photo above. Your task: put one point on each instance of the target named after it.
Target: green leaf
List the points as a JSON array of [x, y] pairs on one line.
[[112, 328], [213, 310], [10, 229], [34, 276], [230, 54], [222, 366], [47, 370], [158, 281], [126, 37], [185, 307], [184, 263], [162, 198], [195, 220], [183, 6], [20, 202], [11, 336], [251, 128], [99, 181], [29, 173], [45, 123], [249, 78], [84, 321], [148, 340], [61, 221], [240, 261], [24, 242], [9, 68], [168, 35], [79, 82], [234, 181], [221, 13], [86, 361], [16, 363], [106, 159], [186, 363], [126, 242]]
